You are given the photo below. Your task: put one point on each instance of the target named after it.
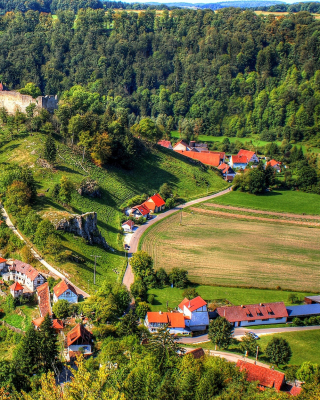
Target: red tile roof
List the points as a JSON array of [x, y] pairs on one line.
[[2, 260], [144, 210], [273, 163], [225, 168], [239, 160], [62, 287], [44, 299], [196, 353], [295, 390], [265, 376], [246, 153], [24, 268], [193, 304], [165, 143], [79, 331], [174, 319], [129, 222], [56, 323], [38, 321], [204, 157], [157, 200], [16, 287], [251, 312]]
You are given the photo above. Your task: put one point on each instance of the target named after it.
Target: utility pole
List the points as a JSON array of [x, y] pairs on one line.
[[257, 354], [181, 217], [95, 264]]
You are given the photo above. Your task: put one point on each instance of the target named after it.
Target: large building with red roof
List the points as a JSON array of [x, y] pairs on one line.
[[255, 314], [274, 164], [195, 313], [165, 143], [250, 155], [25, 274], [3, 263], [175, 322], [44, 300], [206, 157], [155, 203], [79, 341]]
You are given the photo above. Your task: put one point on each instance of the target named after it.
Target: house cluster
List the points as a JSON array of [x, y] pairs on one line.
[[191, 315], [153, 204]]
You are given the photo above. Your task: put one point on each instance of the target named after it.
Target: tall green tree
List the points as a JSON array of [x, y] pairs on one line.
[[50, 149], [220, 332]]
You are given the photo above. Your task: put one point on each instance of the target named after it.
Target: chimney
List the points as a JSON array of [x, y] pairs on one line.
[[242, 306], [192, 143], [160, 312], [189, 304], [261, 304]]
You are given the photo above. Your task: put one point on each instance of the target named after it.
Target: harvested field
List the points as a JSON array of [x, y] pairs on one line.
[[228, 251]]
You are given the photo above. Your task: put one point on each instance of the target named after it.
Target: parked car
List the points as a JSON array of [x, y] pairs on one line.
[[254, 335]]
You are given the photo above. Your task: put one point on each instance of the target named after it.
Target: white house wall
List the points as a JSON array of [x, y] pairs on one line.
[[67, 295], [261, 322]]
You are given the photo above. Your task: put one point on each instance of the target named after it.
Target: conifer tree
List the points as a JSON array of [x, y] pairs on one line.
[[50, 150]]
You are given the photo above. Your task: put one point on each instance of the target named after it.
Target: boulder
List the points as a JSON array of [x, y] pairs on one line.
[[84, 225]]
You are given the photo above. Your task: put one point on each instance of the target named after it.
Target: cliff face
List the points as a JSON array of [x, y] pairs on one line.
[[84, 225]]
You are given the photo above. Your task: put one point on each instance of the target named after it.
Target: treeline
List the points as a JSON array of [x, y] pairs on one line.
[[312, 7]]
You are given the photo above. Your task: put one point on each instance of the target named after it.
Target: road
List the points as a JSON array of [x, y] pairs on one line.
[[37, 256], [239, 332], [134, 242]]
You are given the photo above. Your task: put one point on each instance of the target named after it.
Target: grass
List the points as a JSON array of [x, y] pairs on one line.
[[279, 201], [234, 295], [15, 320], [235, 252], [150, 171]]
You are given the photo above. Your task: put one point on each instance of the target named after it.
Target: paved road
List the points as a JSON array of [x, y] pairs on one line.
[[239, 332], [134, 242], [37, 256]]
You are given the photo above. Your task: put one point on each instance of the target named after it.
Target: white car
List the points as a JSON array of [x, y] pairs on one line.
[[255, 336]]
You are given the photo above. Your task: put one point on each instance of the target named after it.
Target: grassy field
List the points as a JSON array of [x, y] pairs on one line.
[[279, 201], [279, 13], [234, 295], [236, 252], [149, 173]]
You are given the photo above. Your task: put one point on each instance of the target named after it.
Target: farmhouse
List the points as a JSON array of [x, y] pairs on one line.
[[193, 146], [255, 314], [65, 291], [43, 293], [16, 290], [239, 162], [25, 274], [140, 211], [250, 155], [227, 172], [312, 299], [165, 143], [79, 340], [128, 226], [174, 320], [275, 164], [155, 203], [195, 313], [181, 146]]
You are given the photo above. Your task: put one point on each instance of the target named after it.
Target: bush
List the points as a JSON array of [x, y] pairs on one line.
[[61, 309], [297, 322], [170, 203], [190, 293], [142, 309], [150, 298], [161, 278], [179, 278]]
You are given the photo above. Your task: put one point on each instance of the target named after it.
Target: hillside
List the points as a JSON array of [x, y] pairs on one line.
[[118, 185]]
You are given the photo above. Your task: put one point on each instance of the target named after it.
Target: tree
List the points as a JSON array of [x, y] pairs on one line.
[[142, 309], [31, 89], [101, 149], [50, 150], [9, 304], [190, 293], [142, 264], [18, 195], [248, 344], [148, 130], [48, 349], [138, 289], [162, 277], [278, 351], [179, 278], [128, 324], [61, 309], [308, 372], [220, 332], [27, 255], [44, 230], [165, 191], [293, 298], [85, 142], [66, 188]]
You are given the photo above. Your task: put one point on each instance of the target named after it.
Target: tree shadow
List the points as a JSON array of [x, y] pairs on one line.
[[63, 168]]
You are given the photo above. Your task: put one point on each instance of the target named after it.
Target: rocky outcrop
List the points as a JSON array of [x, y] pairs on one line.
[[84, 225], [89, 187]]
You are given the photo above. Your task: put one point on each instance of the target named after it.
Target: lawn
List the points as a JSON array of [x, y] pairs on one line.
[[280, 201], [236, 296], [224, 251], [15, 320], [150, 171]]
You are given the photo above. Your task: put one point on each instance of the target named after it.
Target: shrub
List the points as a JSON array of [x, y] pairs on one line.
[[150, 298], [190, 293]]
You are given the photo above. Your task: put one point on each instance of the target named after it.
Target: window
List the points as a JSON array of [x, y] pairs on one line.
[[278, 318], [67, 293], [266, 319], [253, 320], [38, 282]]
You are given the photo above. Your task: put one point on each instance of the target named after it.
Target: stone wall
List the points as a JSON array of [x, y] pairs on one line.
[[13, 101]]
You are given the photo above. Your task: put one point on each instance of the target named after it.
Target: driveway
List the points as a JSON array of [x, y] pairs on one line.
[[135, 238]]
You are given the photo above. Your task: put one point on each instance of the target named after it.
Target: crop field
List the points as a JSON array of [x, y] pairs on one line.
[[279, 13], [156, 167], [231, 250]]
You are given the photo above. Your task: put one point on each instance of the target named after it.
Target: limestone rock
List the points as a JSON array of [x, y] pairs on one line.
[[89, 187], [84, 225]]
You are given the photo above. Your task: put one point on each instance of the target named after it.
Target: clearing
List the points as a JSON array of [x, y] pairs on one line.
[[220, 250]]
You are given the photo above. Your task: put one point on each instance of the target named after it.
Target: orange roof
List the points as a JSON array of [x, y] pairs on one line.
[[62, 287], [157, 199], [208, 158], [144, 210], [246, 153], [265, 376], [44, 299], [16, 287], [129, 222], [38, 321], [79, 331], [295, 390], [193, 304], [2, 260], [165, 143], [174, 320], [56, 323], [273, 163], [239, 160], [196, 353]]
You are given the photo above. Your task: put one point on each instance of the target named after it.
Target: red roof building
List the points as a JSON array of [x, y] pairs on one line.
[[195, 313], [57, 325], [140, 211], [250, 155], [155, 203], [2, 260], [208, 158], [25, 274], [79, 335], [196, 353], [275, 164], [44, 300], [165, 143], [181, 146], [255, 314], [174, 320], [16, 287], [266, 377], [193, 304], [128, 226]]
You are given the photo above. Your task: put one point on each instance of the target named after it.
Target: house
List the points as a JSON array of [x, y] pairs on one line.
[[227, 172], [16, 290], [44, 302], [312, 299], [221, 154], [65, 291], [165, 143], [267, 378], [174, 320], [303, 311], [274, 164], [3, 264], [255, 314], [25, 274], [128, 226], [181, 146], [250, 155], [239, 162], [79, 340], [57, 325], [140, 211], [155, 203], [195, 313], [207, 157]]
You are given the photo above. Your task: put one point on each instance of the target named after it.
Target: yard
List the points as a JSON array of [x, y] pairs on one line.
[[227, 251]]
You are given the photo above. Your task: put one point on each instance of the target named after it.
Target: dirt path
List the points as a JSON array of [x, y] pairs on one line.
[[251, 217], [134, 242], [253, 211]]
